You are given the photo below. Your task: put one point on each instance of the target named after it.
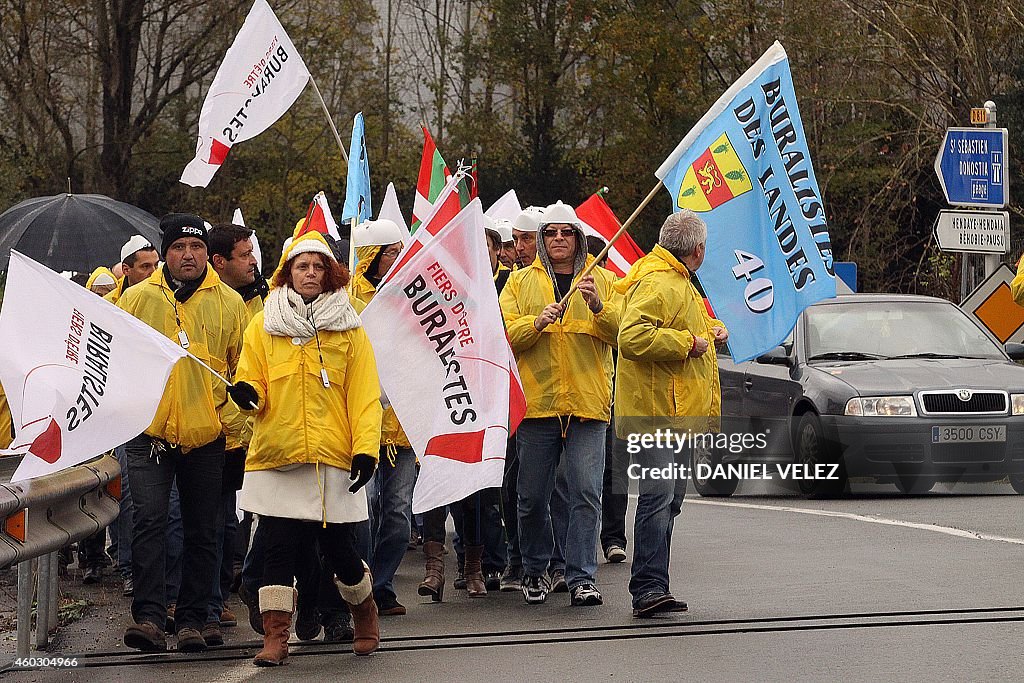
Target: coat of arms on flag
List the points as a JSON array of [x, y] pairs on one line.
[[714, 178]]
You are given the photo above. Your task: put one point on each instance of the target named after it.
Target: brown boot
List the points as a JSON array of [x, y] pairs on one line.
[[433, 578], [276, 604], [364, 613], [475, 585]]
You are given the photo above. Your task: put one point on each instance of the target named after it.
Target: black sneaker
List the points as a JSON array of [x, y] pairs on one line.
[[338, 631], [492, 580], [535, 589], [92, 575], [558, 584], [586, 595], [511, 579]]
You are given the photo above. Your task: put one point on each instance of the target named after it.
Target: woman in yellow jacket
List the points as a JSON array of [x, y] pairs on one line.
[[307, 371]]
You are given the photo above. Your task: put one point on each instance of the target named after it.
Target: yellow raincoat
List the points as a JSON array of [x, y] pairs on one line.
[[115, 295], [1017, 286], [5, 421], [213, 319], [566, 368], [362, 290], [661, 313], [238, 425], [299, 420]]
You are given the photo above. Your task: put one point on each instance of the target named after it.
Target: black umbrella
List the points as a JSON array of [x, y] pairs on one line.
[[73, 231]]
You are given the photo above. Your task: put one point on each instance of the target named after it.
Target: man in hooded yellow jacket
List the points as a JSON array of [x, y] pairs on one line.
[[564, 359], [667, 378], [186, 301]]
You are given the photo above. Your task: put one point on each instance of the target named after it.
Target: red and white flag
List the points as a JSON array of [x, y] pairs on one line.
[[319, 218], [445, 362], [430, 183], [81, 375], [261, 77], [599, 220]]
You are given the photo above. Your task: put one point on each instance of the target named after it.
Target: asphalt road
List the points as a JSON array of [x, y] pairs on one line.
[[874, 587]]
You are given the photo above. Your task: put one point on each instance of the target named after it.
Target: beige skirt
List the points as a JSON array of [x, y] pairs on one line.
[[294, 492]]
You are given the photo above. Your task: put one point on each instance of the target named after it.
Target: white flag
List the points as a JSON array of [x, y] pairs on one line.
[[506, 208], [392, 210], [260, 78], [82, 376], [257, 253], [445, 362]]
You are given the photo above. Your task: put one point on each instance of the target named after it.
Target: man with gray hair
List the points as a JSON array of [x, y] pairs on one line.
[[667, 378]]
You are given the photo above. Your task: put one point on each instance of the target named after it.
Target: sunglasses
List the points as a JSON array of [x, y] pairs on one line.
[[556, 232]]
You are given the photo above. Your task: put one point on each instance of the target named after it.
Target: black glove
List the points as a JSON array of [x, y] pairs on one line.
[[362, 471], [244, 396]]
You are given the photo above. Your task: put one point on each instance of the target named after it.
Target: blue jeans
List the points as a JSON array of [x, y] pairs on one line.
[[227, 525], [559, 519], [122, 526], [540, 445], [198, 477], [659, 503], [390, 501]]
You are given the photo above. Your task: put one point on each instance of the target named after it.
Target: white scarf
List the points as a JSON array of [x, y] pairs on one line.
[[285, 314]]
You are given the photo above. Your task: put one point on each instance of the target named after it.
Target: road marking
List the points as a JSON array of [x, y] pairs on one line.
[[948, 530]]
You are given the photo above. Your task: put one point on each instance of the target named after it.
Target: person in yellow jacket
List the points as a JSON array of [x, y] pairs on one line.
[[378, 244], [101, 281], [186, 301], [6, 424], [1017, 286], [138, 262], [231, 255], [667, 377], [308, 372], [564, 358]]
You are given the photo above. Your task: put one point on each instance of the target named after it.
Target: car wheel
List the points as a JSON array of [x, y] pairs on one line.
[[812, 449], [709, 487], [1017, 482], [912, 484]]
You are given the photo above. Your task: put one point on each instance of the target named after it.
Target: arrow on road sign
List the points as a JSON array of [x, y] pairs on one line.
[[971, 166]]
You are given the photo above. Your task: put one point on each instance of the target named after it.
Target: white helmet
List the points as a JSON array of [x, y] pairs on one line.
[[379, 232], [134, 244], [560, 213], [504, 229], [529, 220]]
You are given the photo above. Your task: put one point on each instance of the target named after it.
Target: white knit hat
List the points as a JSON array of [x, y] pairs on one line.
[[135, 244], [310, 245]]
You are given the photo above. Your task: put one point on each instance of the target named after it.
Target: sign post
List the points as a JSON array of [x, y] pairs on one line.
[[971, 167]]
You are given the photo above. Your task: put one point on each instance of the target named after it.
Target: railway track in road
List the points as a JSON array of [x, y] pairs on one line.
[[671, 627]]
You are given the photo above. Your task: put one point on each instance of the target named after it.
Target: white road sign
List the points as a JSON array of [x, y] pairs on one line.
[[978, 232]]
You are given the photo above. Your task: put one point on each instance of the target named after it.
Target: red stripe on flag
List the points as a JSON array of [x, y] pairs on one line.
[[710, 179], [596, 213], [218, 152], [466, 447], [315, 220]]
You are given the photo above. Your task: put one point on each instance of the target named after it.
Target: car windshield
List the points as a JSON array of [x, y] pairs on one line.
[[877, 330]]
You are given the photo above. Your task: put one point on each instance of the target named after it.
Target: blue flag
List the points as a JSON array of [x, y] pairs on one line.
[[357, 190], [746, 171]]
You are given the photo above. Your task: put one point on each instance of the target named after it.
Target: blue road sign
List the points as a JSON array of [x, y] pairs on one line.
[[847, 272], [971, 166]]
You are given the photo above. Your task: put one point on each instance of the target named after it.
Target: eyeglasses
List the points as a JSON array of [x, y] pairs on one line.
[[556, 232]]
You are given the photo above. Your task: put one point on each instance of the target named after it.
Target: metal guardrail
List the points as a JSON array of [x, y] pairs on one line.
[[60, 508], [51, 511]]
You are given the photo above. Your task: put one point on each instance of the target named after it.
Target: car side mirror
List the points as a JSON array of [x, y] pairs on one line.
[[778, 356], [1015, 351]]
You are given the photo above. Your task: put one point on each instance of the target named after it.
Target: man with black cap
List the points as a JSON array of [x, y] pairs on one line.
[[186, 301]]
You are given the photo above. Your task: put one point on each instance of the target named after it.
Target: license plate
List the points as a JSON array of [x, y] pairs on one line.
[[969, 434]]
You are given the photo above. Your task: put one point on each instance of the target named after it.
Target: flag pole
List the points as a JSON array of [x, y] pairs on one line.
[[215, 373], [330, 121], [607, 247]]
